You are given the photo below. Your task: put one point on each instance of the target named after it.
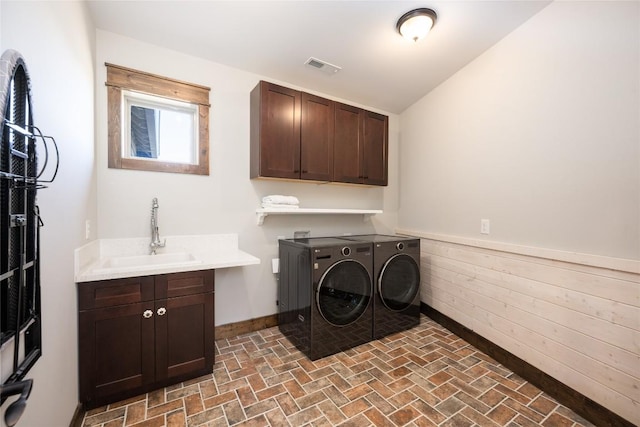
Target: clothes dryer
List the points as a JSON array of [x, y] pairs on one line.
[[396, 275], [325, 294]]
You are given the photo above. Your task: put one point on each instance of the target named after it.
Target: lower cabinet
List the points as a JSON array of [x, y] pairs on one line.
[[138, 334]]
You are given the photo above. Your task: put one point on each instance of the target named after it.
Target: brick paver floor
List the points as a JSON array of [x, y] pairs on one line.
[[425, 376]]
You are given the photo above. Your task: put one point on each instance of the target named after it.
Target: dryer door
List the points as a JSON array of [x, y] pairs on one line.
[[344, 292], [399, 282]]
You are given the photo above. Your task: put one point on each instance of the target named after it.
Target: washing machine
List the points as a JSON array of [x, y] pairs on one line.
[[396, 275], [325, 293]]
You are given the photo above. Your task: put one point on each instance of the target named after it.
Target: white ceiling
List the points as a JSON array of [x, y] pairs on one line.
[[380, 69]]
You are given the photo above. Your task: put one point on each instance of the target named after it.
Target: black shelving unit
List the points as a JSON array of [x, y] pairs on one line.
[[19, 267], [21, 146]]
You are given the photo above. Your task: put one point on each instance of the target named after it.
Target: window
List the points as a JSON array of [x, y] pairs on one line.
[[156, 123], [161, 129]]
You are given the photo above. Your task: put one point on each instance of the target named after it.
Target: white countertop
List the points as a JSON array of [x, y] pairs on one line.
[[208, 251]]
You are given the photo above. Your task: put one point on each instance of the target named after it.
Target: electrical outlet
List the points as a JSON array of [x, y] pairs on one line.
[[87, 229], [484, 226], [304, 234]]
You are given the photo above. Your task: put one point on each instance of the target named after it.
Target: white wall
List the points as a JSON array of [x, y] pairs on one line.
[[540, 135], [56, 39], [226, 200]]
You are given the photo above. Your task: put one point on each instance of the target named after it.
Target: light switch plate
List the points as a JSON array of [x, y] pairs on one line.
[[485, 226]]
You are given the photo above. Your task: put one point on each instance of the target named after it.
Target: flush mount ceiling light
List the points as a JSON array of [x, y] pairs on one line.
[[416, 23]]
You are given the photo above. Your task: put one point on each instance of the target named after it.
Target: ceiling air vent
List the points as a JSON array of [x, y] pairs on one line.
[[323, 66]]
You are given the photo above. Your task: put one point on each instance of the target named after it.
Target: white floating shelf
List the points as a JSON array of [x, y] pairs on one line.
[[262, 213]]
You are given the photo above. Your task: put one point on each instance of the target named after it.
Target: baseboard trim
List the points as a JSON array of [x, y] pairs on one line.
[[231, 330], [78, 416], [572, 399]]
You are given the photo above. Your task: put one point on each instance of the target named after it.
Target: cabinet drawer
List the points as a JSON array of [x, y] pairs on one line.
[[110, 293], [181, 284]]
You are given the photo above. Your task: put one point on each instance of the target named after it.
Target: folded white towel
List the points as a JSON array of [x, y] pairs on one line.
[[279, 206], [276, 199]]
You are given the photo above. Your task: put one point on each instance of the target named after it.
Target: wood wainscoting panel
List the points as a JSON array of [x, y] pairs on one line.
[[578, 323]]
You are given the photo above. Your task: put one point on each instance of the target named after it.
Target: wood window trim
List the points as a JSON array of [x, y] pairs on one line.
[[121, 78]]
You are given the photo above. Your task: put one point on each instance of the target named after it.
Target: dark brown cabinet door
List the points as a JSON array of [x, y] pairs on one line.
[[347, 152], [117, 352], [360, 146], [316, 141], [275, 131], [375, 148], [184, 337]]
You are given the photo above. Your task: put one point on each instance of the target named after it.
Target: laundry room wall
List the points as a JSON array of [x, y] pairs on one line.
[[226, 200], [56, 40], [540, 135]]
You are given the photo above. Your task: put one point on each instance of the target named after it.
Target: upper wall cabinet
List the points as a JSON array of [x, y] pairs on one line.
[[296, 135], [275, 131], [360, 146]]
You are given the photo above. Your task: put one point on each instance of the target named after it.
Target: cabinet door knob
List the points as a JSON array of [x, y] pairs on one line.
[[162, 311], [147, 314]]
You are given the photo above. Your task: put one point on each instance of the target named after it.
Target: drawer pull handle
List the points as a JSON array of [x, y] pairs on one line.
[[162, 311], [147, 314]]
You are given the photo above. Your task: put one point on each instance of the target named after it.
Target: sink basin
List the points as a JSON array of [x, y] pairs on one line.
[[146, 262]]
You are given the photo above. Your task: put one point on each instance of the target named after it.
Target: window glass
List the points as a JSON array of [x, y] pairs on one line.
[[160, 129]]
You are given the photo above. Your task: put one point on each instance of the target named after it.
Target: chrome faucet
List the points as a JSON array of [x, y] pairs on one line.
[[155, 235]]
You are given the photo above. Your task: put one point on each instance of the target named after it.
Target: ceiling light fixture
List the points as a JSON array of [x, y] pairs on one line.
[[416, 23]]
